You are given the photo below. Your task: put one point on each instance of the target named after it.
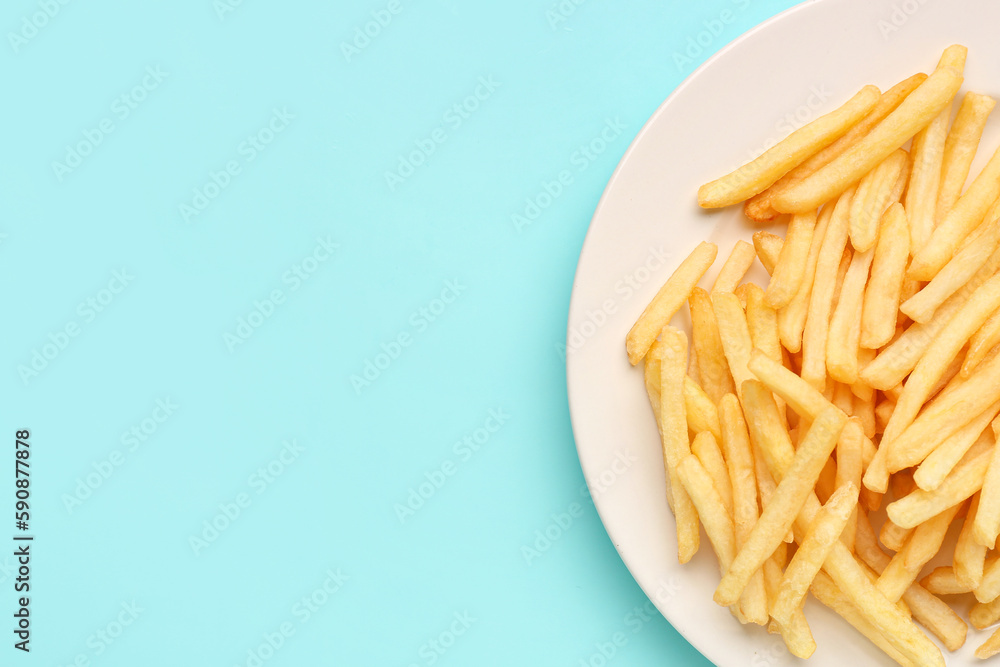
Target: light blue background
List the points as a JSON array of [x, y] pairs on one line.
[[163, 336]]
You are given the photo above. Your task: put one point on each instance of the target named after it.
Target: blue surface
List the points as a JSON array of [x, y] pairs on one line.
[[269, 273]]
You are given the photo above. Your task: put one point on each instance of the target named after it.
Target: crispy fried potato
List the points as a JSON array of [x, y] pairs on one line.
[[758, 208], [668, 301], [759, 174], [816, 331], [768, 247], [960, 149], [778, 517], [735, 268], [873, 197], [672, 355], [912, 115], [706, 340], [957, 272], [967, 213]]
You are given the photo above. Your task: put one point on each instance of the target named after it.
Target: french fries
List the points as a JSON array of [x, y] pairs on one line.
[[668, 301], [960, 148], [913, 114], [868, 365], [761, 173]]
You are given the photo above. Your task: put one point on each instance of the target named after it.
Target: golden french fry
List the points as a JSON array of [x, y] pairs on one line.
[[964, 216], [939, 463], [777, 518], [768, 247], [814, 335], [792, 318], [849, 468], [824, 530], [843, 398], [897, 359], [873, 197], [935, 615], [928, 157], [865, 412], [894, 537], [942, 581], [990, 647], [759, 174], [706, 448], [984, 340], [970, 558], [986, 526], [983, 615], [883, 412], [668, 301], [844, 336], [698, 486], [735, 268], [928, 609], [767, 433], [735, 335], [762, 320], [896, 627], [960, 148], [772, 577], [706, 340], [924, 543], [921, 306], [674, 434], [989, 588], [739, 459], [965, 480], [944, 416], [912, 115], [878, 318], [758, 208], [702, 414], [827, 592], [932, 366], [787, 274]]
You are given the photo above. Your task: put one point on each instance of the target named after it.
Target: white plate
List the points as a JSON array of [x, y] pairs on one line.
[[800, 64]]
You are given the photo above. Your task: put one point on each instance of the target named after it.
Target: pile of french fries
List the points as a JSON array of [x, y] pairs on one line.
[[864, 380]]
